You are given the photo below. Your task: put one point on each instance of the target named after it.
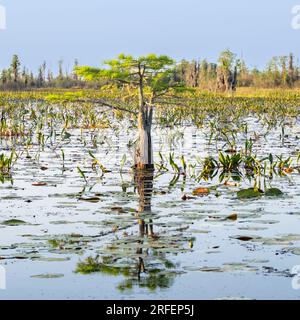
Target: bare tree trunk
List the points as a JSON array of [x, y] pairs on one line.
[[226, 80], [144, 151]]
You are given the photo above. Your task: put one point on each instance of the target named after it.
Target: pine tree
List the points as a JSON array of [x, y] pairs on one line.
[[15, 65]]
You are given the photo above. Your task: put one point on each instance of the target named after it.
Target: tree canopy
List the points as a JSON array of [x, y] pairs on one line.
[[151, 71]]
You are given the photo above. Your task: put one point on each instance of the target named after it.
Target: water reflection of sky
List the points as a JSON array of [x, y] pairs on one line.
[[55, 210]]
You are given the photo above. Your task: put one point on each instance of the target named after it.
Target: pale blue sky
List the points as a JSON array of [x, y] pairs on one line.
[[93, 30]]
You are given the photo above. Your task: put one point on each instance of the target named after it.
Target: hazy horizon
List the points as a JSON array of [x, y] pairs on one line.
[[92, 31]]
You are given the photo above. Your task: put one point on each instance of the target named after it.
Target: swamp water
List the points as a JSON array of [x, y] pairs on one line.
[[127, 236]]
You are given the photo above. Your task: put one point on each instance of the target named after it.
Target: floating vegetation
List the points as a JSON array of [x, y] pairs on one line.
[[225, 188], [90, 199], [13, 222], [229, 267], [201, 191], [273, 192], [249, 193]]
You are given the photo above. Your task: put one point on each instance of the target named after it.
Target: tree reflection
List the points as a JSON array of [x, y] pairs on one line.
[[140, 257]]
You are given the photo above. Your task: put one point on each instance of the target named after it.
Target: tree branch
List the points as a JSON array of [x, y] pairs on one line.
[[105, 104]]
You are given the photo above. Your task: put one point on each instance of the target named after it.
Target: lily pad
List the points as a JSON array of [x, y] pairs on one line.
[[13, 222], [204, 269], [201, 191], [232, 217], [249, 193], [39, 184], [233, 267], [243, 238], [273, 192], [44, 259], [90, 199]]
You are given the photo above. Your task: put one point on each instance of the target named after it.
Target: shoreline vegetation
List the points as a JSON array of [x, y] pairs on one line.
[[227, 74], [147, 91]]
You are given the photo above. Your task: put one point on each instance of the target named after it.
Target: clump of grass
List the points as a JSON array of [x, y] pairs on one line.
[[230, 163], [6, 163]]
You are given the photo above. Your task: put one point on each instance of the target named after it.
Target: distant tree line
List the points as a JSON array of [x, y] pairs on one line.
[[228, 73], [16, 77]]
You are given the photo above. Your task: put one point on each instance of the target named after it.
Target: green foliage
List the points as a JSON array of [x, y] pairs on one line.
[[82, 174], [96, 162], [281, 71], [227, 59], [92, 265], [6, 163], [273, 192], [13, 222], [230, 163], [249, 193], [88, 73], [15, 65], [154, 72]]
